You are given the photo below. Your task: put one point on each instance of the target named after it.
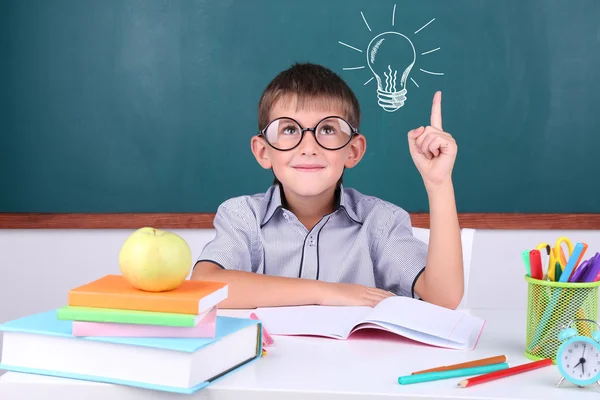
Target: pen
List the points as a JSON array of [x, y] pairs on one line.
[[593, 269], [549, 275], [525, 256], [580, 273], [545, 265], [595, 279], [558, 272], [577, 262], [535, 264], [573, 260]]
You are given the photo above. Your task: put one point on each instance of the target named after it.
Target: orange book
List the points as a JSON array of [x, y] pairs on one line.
[[114, 291]]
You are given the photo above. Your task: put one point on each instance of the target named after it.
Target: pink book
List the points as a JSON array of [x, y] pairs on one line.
[[204, 329]]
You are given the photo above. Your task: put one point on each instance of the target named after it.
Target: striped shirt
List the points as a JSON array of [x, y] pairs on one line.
[[366, 240]]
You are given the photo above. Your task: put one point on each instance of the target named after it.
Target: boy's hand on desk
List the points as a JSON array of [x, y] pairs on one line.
[[350, 294], [433, 150]]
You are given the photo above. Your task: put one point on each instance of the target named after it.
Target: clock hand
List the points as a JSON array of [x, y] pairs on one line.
[[582, 360]]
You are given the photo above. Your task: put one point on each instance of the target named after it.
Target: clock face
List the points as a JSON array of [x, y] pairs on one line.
[[580, 360]]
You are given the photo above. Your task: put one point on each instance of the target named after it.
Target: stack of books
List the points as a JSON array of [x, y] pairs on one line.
[[113, 333], [110, 306]]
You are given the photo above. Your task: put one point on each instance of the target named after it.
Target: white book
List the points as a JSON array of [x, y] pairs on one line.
[[43, 345], [411, 318]]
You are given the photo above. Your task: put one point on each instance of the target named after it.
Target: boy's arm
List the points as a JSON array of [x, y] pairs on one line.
[[442, 281], [252, 290], [434, 152]]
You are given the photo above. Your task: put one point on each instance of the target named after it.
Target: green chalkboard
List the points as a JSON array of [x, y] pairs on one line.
[[149, 106]]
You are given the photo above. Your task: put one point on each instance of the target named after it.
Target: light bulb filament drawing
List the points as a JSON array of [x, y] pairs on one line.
[[388, 53], [391, 56]]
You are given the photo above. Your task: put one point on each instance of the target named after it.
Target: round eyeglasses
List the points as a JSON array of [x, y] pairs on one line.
[[331, 133]]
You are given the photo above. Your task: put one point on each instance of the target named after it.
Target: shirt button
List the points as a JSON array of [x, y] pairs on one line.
[[285, 216]]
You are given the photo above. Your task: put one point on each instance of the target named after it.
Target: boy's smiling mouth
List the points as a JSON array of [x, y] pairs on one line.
[[308, 167]]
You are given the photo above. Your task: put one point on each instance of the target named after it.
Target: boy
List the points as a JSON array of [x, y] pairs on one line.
[[310, 240]]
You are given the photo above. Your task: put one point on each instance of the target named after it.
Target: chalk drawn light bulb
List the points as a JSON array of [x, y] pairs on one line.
[[390, 54], [391, 57]]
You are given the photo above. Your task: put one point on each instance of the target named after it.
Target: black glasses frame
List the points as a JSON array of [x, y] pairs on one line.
[[263, 133]]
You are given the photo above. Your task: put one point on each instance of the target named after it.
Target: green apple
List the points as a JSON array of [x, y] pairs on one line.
[[155, 260]]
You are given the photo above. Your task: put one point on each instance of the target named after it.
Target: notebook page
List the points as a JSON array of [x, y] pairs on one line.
[[330, 321], [419, 336], [427, 319]]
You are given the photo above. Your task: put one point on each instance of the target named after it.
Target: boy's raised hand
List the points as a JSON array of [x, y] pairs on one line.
[[433, 150]]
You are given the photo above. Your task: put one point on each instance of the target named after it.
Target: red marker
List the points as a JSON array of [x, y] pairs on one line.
[[535, 264]]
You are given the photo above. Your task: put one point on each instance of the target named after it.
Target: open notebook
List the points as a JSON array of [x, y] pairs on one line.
[[414, 319]]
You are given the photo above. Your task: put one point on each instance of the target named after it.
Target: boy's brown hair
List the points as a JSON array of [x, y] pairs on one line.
[[309, 85]]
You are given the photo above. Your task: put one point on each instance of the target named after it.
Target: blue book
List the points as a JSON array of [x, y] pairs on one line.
[[42, 344]]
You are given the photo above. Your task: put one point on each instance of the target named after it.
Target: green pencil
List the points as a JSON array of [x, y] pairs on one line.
[[434, 376]]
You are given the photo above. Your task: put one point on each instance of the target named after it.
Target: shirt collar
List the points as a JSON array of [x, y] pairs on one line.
[[346, 203], [274, 203]]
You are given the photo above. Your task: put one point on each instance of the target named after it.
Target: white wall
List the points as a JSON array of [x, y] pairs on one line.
[[38, 267]]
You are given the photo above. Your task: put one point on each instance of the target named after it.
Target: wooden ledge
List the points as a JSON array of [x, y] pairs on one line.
[[205, 221]]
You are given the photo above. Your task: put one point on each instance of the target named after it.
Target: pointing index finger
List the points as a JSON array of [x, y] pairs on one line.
[[436, 111]]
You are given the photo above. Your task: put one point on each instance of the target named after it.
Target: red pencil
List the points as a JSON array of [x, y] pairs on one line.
[[505, 372]]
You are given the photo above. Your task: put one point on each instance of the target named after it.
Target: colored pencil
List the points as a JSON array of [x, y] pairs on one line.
[[468, 364], [453, 373], [504, 373], [267, 339]]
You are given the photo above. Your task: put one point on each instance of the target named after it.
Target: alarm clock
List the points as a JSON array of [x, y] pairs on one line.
[[578, 357]]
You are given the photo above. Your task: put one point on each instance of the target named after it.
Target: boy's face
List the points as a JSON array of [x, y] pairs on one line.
[[308, 169]]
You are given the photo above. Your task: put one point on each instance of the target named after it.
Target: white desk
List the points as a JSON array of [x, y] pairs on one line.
[[326, 369]]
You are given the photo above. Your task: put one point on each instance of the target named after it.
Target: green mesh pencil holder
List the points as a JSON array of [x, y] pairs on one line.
[[550, 307]]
